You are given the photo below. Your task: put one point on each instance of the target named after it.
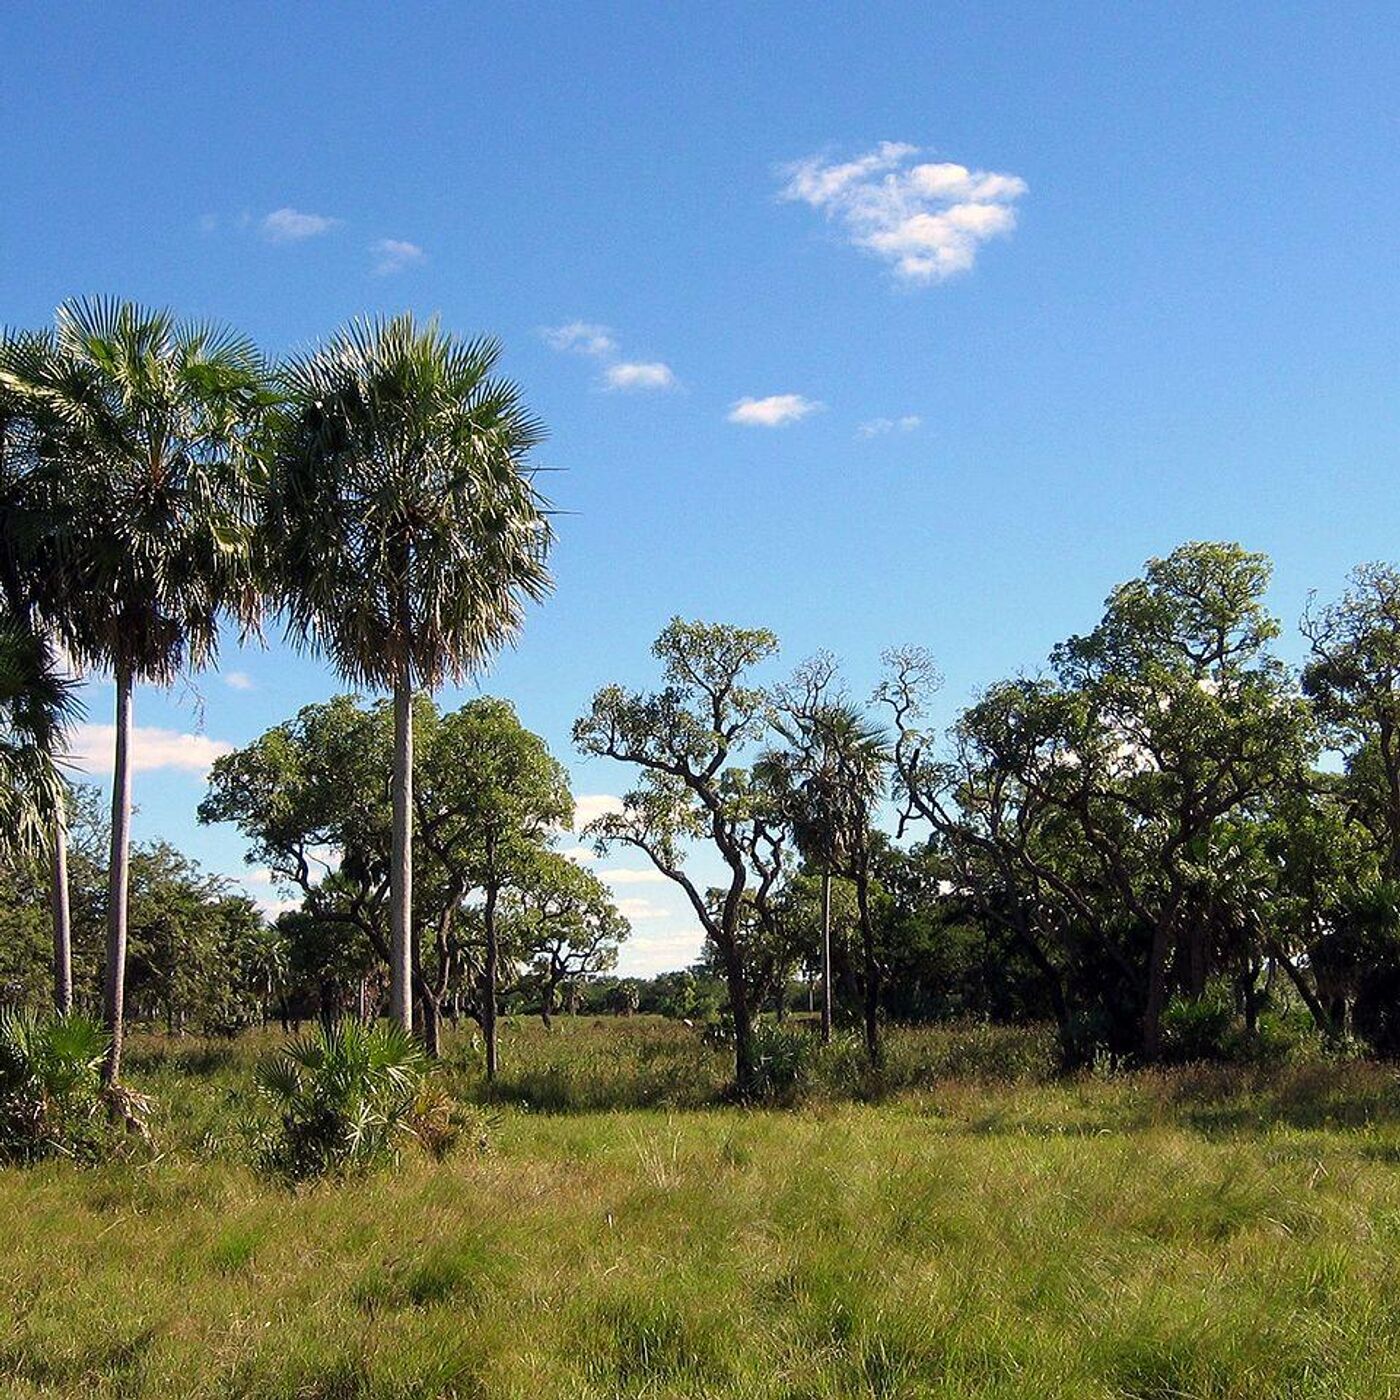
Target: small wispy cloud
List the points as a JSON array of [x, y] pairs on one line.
[[208, 223], [776, 411], [625, 876], [238, 680], [876, 427], [637, 374], [90, 749], [394, 254], [580, 855], [582, 337], [927, 219], [632, 909], [653, 950], [293, 225], [600, 343], [589, 805]]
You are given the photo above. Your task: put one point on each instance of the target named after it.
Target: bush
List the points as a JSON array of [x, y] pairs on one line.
[[1199, 1029], [51, 1098], [782, 1059], [346, 1098]]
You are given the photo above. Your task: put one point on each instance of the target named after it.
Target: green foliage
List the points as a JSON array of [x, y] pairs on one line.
[[345, 1099], [1199, 1028], [782, 1058], [51, 1099], [400, 523]]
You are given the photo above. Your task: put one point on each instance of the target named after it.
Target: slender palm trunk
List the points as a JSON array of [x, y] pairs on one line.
[[491, 973], [826, 957], [745, 1061], [118, 879], [62, 919], [401, 869], [873, 1048]]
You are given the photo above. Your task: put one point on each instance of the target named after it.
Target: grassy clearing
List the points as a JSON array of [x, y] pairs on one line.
[[1199, 1233]]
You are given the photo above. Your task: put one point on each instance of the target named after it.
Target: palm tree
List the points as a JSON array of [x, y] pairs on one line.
[[147, 420], [40, 699], [36, 702], [402, 531], [834, 775]]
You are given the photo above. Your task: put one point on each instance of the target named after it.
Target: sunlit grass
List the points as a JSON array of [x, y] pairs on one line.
[[1198, 1233]]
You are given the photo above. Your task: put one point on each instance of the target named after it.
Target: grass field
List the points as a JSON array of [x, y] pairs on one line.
[[1205, 1233]]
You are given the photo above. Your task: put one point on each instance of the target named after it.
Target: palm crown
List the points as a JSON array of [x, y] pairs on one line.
[[402, 523], [147, 420]]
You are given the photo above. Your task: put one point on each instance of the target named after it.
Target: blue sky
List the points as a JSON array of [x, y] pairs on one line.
[[1158, 303]]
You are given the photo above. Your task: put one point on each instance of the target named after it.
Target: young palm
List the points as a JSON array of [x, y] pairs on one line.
[[835, 774], [147, 420], [403, 530]]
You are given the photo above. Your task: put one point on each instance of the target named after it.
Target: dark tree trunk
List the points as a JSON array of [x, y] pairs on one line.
[[1156, 993], [873, 1048], [432, 1026], [118, 882]]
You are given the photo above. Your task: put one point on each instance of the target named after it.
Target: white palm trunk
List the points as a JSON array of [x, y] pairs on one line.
[[401, 868]]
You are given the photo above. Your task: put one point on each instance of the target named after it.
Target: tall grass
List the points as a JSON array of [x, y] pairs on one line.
[[988, 1232]]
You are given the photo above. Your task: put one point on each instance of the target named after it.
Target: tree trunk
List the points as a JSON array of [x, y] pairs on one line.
[[745, 1070], [872, 970], [401, 869], [547, 1004], [432, 1026], [489, 971], [62, 920], [118, 879], [1156, 994], [826, 957]]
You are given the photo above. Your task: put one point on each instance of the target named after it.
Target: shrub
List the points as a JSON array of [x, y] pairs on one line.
[[782, 1059], [1198, 1029], [346, 1098], [51, 1097]]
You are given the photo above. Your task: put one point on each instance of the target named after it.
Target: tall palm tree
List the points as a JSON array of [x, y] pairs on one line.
[[403, 531], [148, 420], [835, 773]]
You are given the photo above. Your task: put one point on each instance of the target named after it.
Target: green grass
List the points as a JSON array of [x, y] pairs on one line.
[[1198, 1233]]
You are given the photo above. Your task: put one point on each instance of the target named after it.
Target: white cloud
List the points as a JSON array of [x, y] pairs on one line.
[[636, 374], [394, 254], [91, 749], [635, 909], [599, 342], [291, 225], [776, 411], [877, 426], [584, 337], [927, 220], [589, 805], [208, 223], [653, 950], [238, 680], [580, 855], [623, 876], [271, 908]]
